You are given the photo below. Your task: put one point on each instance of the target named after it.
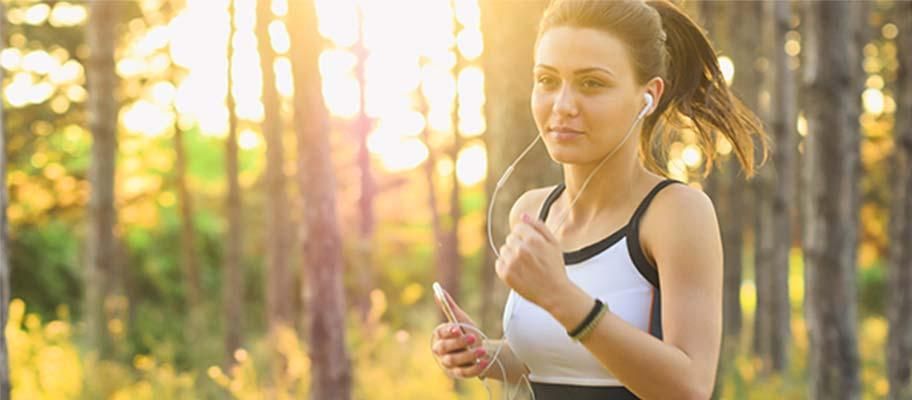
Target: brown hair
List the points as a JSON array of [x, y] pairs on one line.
[[663, 41]]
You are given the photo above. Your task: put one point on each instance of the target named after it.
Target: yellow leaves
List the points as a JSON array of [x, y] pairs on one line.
[[378, 306], [44, 361], [411, 294]]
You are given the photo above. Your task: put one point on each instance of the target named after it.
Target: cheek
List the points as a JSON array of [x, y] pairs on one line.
[[541, 108]]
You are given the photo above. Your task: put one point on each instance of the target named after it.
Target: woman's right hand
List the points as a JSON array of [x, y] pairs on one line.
[[459, 351]]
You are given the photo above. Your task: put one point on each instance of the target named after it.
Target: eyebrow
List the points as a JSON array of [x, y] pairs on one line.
[[579, 71]]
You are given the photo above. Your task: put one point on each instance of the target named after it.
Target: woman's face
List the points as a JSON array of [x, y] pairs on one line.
[[584, 97]]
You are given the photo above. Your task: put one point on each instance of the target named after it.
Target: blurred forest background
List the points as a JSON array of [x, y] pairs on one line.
[[250, 198]]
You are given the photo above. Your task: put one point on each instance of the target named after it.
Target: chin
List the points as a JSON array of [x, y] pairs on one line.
[[566, 154]]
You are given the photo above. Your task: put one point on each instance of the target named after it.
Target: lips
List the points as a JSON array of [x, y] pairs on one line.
[[563, 133], [565, 129]]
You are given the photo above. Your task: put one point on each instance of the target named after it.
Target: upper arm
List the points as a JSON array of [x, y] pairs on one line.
[[687, 250]]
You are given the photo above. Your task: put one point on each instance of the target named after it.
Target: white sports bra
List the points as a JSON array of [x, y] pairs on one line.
[[614, 270]]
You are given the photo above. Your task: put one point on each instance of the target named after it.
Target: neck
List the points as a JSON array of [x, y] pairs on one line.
[[610, 187]]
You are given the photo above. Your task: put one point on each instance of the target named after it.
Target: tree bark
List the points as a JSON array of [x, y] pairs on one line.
[[831, 212], [899, 273], [102, 110], [330, 366], [775, 193], [363, 125], [4, 246], [510, 29], [278, 246], [451, 267], [188, 252], [279, 282], [232, 287], [785, 137]]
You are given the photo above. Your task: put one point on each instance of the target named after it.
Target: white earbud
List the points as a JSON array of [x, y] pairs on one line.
[[649, 100]]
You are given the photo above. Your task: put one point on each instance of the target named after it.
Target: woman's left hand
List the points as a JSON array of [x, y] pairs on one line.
[[532, 263]]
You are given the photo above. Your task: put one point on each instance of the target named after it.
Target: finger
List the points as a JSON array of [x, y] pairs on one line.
[[465, 358], [539, 227], [447, 330], [455, 345], [471, 371]]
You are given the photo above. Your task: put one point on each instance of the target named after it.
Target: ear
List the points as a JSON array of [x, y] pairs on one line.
[[655, 87]]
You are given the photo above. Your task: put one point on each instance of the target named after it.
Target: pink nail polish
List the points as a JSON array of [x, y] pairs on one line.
[[470, 339], [480, 352], [483, 363]]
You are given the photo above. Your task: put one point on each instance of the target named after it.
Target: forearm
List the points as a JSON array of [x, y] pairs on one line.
[[512, 365], [628, 353]]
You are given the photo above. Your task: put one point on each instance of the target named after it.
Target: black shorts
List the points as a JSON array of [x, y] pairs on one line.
[[551, 391]]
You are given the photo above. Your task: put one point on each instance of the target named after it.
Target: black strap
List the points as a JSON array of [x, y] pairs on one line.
[[552, 197], [633, 235]]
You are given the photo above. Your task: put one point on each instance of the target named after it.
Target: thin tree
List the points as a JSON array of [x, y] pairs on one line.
[[830, 205], [362, 127], [899, 274], [188, 254], [330, 366], [279, 283], [232, 287], [102, 114], [4, 256], [774, 199]]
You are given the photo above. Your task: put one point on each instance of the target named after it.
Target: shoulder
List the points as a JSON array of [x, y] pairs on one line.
[[679, 217], [530, 203]]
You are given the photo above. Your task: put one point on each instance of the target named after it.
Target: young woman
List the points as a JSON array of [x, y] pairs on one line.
[[616, 273]]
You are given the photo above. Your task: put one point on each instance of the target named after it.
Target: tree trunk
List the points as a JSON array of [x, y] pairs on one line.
[[4, 256], [899, 274], [785, 154], [279, 282], [363, 126], [232, 287], [831, 213], [188, 252], [510, 28], [451, 266], [729, 187], [330, 366], [102, 113]]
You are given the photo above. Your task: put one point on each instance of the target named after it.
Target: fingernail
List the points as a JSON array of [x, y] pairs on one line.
[[480, 352], [454, 330], [483, 363], [470, 339]]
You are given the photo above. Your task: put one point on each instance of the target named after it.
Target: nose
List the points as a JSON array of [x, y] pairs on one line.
[[565, 102]]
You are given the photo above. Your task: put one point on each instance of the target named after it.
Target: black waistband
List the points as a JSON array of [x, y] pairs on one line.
[[552, 391]]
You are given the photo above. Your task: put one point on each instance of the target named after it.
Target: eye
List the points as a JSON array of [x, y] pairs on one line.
[[592, 83], [546, 80]]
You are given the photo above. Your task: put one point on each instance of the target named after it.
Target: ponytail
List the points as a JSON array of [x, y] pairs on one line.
[[697, 93]]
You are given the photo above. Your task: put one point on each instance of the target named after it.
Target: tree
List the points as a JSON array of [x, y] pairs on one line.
[[102, 113], [4, 256], [188, 250], [362, 127], [279, 282], [830, 205], [232, 287], [330, 366], [899, 274], [777, 187], [509, 39], [723, 185]]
